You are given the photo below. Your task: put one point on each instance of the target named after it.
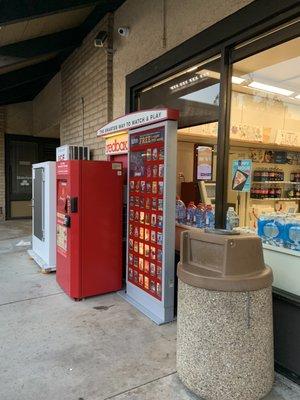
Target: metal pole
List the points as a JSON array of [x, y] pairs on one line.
[[223, 140], [82, 110]]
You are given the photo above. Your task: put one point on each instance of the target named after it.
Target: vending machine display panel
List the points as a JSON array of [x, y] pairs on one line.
[[151, 235]]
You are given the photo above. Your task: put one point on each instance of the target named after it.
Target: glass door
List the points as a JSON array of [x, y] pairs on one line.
[[21, 157]]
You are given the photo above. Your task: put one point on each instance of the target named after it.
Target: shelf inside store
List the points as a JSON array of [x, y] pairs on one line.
[[281, 250], [277, 199], [276, 182]]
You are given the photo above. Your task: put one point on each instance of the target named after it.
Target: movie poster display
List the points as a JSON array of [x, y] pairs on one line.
[[151, 198], [151, 220], [146, 205]]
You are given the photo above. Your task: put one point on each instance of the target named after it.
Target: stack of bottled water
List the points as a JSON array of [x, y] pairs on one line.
[[278, 229], [180, 211], [191, 214], [202, 216], [209, 217]]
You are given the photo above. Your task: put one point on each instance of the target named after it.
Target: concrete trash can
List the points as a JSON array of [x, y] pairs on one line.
[[225, 323]]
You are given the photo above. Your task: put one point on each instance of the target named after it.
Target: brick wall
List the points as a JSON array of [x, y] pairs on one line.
[[2, 166], [87, 75]]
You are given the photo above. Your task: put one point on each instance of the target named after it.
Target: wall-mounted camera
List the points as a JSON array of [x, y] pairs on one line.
[[123, 31], [100, 39]]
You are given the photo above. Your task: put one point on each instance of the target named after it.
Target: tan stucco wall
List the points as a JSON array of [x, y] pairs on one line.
[[47, 109], [19, 118], [40, 117], [184, 19]]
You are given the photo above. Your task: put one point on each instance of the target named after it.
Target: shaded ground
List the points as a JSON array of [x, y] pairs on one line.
[[53, 348]]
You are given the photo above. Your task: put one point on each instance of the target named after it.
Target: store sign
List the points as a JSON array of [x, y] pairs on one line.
[[241, 175], [116, 144], [204, 163], [137, 120]]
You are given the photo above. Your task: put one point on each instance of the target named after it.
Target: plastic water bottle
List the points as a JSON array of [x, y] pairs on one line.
[[190, 214], [209, 217], [232, 219], [180, 211], [280, 221], [200, 216], [292, 234]]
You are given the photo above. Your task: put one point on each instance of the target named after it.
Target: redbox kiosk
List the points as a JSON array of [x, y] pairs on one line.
[[89, 227], [152, 154]]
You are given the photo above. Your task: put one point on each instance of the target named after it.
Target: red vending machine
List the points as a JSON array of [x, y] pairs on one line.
[[89, 227]]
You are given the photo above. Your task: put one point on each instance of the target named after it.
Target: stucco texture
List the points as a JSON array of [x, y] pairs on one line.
[[225, 343], [183, 19]]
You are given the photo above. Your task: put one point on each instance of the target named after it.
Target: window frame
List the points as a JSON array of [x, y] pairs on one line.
[[247, 24]]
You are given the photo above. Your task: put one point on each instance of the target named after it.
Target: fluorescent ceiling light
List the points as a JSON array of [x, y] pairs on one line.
[[297, 97], [206, 73], [237, 80], [272, 89], [192, 69]]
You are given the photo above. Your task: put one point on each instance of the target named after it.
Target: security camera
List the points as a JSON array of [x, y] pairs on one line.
[[123, 31], [100, 39]]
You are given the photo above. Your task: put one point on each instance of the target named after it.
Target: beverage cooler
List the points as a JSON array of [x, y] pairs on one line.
[[89, 227]]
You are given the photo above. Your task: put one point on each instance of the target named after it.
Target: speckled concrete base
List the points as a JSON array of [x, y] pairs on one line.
[[225, 343]]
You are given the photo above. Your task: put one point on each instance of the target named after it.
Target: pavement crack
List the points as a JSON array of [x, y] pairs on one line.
[[138, 386], [31, 298]]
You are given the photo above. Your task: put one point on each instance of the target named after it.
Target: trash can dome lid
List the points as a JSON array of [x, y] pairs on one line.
[[223, 262]]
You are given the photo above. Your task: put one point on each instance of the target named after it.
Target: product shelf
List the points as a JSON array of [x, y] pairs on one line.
[[277, 198], [281, 250], [276, 182]]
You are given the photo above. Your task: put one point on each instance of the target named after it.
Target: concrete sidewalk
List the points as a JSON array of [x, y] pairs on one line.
[[52, 348]]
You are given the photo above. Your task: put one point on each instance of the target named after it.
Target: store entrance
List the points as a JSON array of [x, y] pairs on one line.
[[20, 153]]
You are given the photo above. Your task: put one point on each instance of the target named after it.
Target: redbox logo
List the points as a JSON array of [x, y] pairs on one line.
[[117, 147]]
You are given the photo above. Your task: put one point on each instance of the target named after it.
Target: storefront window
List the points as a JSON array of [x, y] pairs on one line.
[[264, 159], [195, 93]]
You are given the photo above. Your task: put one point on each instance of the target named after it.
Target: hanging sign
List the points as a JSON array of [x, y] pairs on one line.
[[138, 119], [241, 175]]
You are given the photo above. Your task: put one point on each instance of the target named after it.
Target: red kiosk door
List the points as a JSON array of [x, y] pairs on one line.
[[89, 227]]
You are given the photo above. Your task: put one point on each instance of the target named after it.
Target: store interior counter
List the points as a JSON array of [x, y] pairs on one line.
[[285, 264]]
